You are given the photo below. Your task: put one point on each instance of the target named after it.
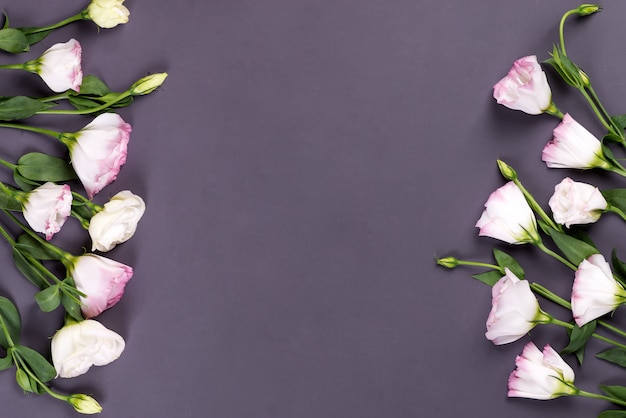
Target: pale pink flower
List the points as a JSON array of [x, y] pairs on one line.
[[573, 146], [47, 207], [541, 375], [576, 203], [60, 66], [101, 279], [99, 150], [514, 310], [117, 221], [508, 217], [595, 292], [525, 87]]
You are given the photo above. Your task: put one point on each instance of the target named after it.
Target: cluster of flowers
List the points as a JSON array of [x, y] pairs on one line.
[[92, 283], [512, 215]]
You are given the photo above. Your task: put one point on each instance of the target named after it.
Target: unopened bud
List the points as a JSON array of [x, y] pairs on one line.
[[588, 9], [147, 84], [507, 171], [84, 404], [448, 262]]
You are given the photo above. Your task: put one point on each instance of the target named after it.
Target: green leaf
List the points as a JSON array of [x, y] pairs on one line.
[[489, 278], [28, 245], [618, 392], [49, 299], [13, 41], [22, 379], [33, 35], [6, 362], [506, 261], [10, 318], [619, 268], [615, 355], [20, 107], [578, 337], [620, 120], [612, 414], [42, 167], [28, 270], [92, 86], [616, 198], [71, 306], [8, 202], [572, 248], [38, 363], [23, 183]]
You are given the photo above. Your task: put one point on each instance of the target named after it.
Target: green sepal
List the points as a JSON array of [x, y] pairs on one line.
[[504, 260], [615, 355], [11, 321], [612, 414], [28, 270], [619, 268], [28, 245], [13, 41], [574, 249], [618, 392], [21, 107], [6, 362], [43, 167], [71, 306], [489, 277], [37, 363], [48, 299], [578, 337]]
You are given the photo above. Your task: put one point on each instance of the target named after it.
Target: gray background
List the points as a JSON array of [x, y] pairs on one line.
[[303, 166]]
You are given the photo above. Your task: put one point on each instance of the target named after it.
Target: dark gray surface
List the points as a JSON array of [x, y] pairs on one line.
[[302, 167]]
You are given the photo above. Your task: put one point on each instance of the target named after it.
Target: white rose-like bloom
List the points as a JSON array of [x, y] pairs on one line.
[[541, 375], [595, 292], [79, 345], [576, 203], [514, 310], [525, 87], [508, 217], [107, 13], [573, 146], [117, 221], [47, 207], [60, 66]]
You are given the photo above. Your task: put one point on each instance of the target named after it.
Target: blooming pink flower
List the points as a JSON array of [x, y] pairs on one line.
[[595, 292], [525, 87], [541, 375], [514, 310], [576, 203], [101, 279], [508, 217], [99, 150], [60, 66], [573, 146], [47, 207]]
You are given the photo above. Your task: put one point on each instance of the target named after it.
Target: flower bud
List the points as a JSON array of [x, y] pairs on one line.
[[84, 404], [448, 262], [147, 84], [507, 171], [588, 9], [107, 13]]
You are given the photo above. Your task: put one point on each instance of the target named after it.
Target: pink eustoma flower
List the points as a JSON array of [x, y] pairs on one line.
[[541, 375], [524, 88], [47, 207], [508, 217], [514, 310], [576, 203], [101, 279], [99, 150], [595, 292], [573, 146], [60, 66]]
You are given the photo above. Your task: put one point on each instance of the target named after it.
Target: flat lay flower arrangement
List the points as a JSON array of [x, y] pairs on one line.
[[47, 190], [513, 216]]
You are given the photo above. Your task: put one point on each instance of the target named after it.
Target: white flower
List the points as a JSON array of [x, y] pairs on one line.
[[508, 217], [573, 146], [575, 203], [117, 221], [595, 292], [47, 207], [514, 310], [524, 88], [79, 345], [541, 375], [107, 13], [60, 66]]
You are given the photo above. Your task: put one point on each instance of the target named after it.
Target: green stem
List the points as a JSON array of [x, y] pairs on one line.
[[551, 253], [535, 206], [478, 264], [61, 96], [602, 397], [71, 19], [48, 132], [13, 67], [561, 27], [8, 164], [604, 121], [595, 335], [616, 129], [104, 106], [64, 256]]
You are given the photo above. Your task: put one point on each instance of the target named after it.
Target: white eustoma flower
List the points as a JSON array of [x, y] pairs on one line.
[[508, 217], [576, 203], [525, 87], [541, 375], [117, 221], [107, 13], [595, 292], [514, 310], [573, 146], [47, 207], [59, 66], [79, 345]]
